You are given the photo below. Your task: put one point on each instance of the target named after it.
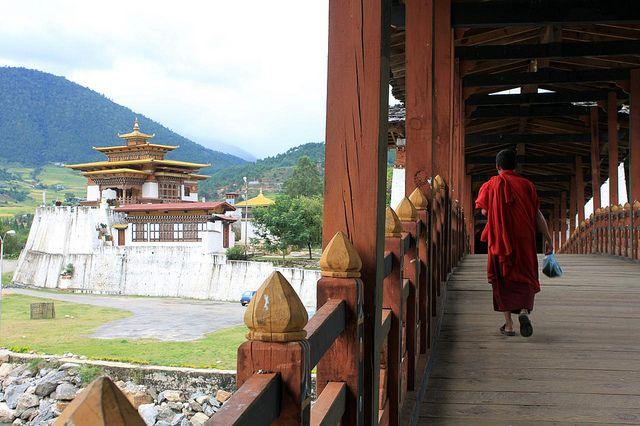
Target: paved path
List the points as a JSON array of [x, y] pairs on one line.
[[582, 364], [155, 318]]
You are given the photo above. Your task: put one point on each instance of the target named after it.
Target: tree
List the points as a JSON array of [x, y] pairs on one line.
[[305, 181], [290, 222]]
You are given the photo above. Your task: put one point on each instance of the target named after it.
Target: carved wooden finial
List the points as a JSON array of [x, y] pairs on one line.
[[340, 259], [406, 211], [276, 314], [615, 209], [101, 403], [636, 205], [392, 225], [440, 182], [627, 206], [583, 223], [419, 200]]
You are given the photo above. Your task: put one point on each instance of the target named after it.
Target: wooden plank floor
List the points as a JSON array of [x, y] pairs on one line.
[[581, 366]]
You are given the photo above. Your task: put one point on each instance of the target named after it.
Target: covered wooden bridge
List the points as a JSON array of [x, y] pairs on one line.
[[404, 331]]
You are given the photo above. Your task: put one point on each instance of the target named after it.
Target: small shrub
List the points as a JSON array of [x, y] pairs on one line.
[[137, 377], [36, 364], [69, 269], [20, 349], [236, 253], [88, 373]]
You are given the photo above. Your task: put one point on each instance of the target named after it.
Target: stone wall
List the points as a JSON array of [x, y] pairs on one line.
[[67, 235]]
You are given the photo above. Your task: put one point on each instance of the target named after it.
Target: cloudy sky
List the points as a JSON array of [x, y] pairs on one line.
[[249, 73]]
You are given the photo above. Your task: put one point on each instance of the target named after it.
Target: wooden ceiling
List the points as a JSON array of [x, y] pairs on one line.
[[564, 57]]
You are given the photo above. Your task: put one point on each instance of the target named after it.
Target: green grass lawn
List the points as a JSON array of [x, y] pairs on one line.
[[6, 278], [69, 332]]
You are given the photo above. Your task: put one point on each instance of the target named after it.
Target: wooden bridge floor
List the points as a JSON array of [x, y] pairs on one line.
[[582, 364]]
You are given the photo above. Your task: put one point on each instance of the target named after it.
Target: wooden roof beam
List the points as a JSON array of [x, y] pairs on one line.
[[548, 50], [544, 12], [546, 76], [557, 110], [515, 138], [524, 159], [540, 98]]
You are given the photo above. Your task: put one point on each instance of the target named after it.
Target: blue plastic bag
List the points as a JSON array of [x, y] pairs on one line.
[[551, 267]]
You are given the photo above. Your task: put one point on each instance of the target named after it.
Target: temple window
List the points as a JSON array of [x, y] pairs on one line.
[[139, 232], [169, 191]]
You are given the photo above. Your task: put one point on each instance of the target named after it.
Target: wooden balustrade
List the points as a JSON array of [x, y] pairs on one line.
[[613, 230], [424, 239]]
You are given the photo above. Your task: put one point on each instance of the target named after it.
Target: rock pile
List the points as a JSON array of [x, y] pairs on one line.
[[36, 394]]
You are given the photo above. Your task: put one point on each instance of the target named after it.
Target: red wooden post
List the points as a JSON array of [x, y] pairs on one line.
[[634, 135], [408, 216], [421, 203], [419, 92], [580, 189], [356, 149], [612, 127], [563, 218], [468, 211], [340, 265], [276, 318], [393, 299], [595, 157], [573, 202], [555, 225], [443, 87]]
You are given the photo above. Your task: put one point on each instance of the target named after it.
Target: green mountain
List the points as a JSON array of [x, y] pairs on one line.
[[49, 119], [270, 172]]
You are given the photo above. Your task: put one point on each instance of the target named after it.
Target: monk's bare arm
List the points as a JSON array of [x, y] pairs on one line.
[[541, 224]]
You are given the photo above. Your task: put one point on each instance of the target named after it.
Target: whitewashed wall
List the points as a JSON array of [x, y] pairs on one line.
[[61, 236]]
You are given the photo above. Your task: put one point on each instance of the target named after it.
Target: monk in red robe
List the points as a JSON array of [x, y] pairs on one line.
[[510, 203]]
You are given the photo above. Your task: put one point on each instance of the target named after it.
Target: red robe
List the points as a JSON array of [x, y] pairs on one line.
[[511, 202]]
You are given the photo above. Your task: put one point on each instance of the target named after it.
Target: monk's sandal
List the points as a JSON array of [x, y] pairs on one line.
[[526, 328]]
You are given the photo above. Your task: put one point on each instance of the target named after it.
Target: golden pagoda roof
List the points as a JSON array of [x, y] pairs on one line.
[[258, 201], [130, 147], [114, 171], [99, 164], [136, 133]]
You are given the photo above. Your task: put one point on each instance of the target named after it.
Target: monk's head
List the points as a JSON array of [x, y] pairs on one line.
[[506, 160]]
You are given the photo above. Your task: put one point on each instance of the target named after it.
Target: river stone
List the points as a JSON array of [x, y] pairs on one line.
[[199, 419], [201, 399], [69, 366], [163, 423], [172, 395], [214, 402], [45, 388], [149, 413], [45, 412], [6, 413], [195, 406], [177, 419], [13, 392], [209, 410], [5, 369], [223, 395], [29, 413], [65, 392], [165, 413], [27, 400]]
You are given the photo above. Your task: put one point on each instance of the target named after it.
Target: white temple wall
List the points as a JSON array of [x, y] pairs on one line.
[[150, 190], [397, 186], [93, 193], [60, 236], [109, 194]]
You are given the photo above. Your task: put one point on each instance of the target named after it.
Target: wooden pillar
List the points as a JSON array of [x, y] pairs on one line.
[[555, 222], [455, 139], [563, 218], [356, 148], [595, 158], [634, 136], [573, 203], [612, 128], [419, 92], [580, 201], [468, 212], [443, 88]]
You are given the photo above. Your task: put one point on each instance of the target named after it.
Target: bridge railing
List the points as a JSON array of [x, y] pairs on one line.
[[424, 239], [613, 230]]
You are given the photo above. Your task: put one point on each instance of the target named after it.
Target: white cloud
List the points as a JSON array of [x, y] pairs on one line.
[[248, 73]]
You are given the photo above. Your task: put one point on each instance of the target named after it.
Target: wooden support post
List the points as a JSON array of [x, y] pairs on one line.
[[563, 218], [340, 265], [595, 157], [276, 318], [419, 92], [580, 201], [468, 211], [573, 202], [612, 130], [456, 133], [393, 299], [634, 135], [555, 225], [356, 148], [443, 87], [421, 203], [408, 216]]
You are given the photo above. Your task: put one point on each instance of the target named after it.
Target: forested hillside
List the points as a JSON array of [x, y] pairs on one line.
[[47, 119]]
